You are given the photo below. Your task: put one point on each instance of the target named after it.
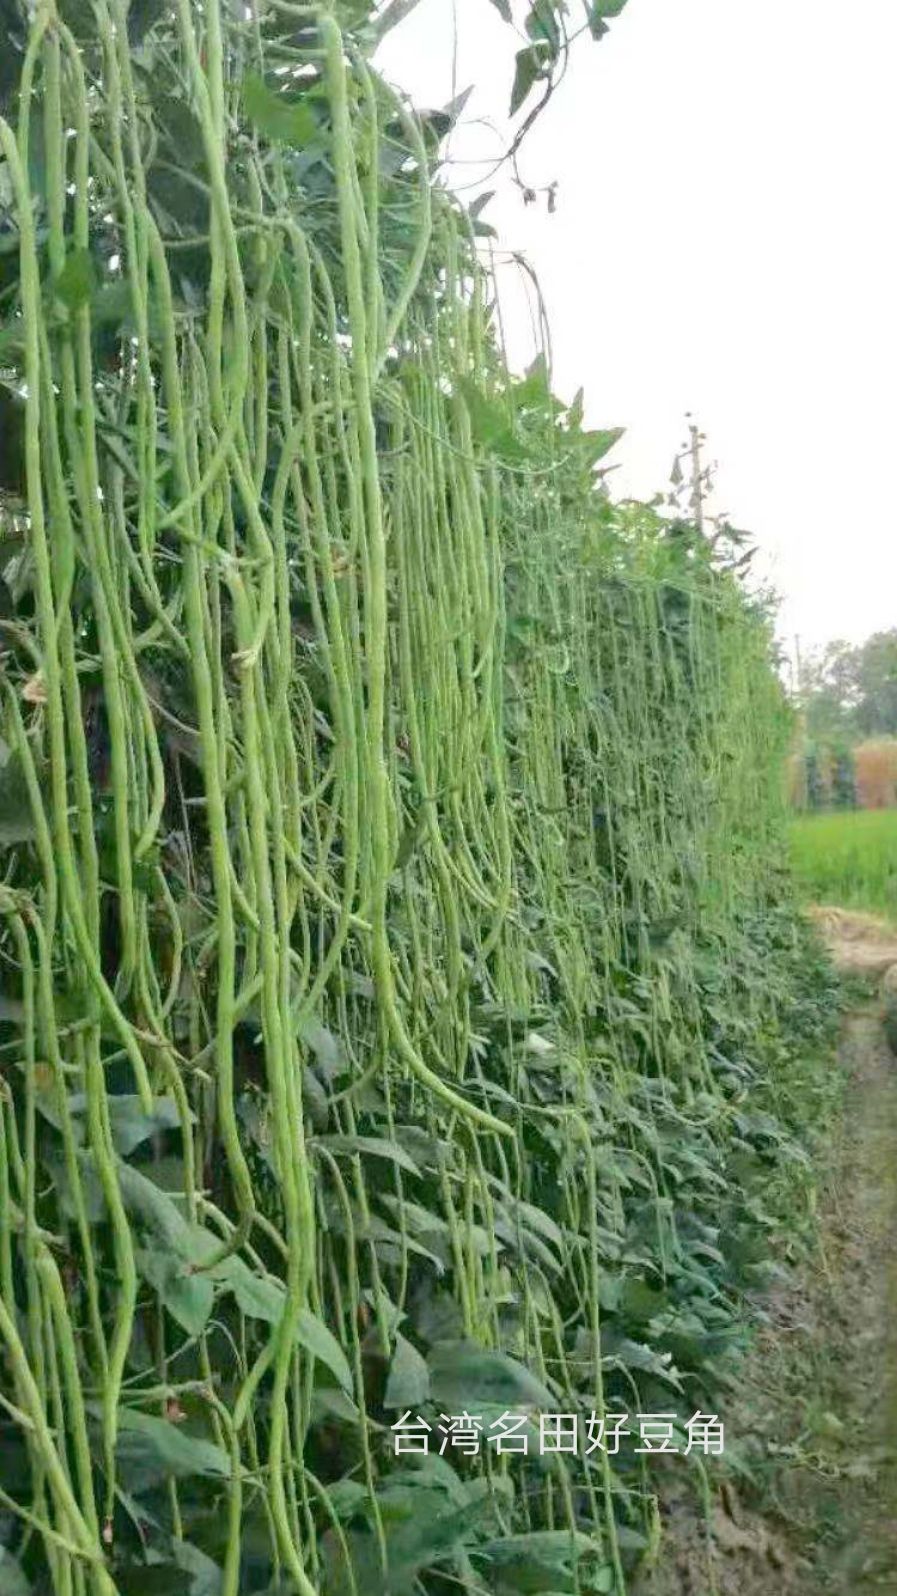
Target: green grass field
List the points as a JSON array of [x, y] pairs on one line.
[[848, 858]]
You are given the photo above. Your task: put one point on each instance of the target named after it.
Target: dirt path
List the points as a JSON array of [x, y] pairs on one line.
[[829, 1358], [860, 944], [815, 1511]]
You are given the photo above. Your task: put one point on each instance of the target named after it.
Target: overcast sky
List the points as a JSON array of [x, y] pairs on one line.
[[724, 242]]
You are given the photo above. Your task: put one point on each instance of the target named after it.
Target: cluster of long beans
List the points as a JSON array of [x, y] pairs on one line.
[[340, 729]]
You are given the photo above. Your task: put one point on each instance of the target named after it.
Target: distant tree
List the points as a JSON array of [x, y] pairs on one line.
[[828, 688], [849, 691], [844, 785], [815, 784], [876, 686]]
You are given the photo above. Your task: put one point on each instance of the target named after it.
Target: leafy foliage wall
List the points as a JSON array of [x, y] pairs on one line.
[[401, 1002]]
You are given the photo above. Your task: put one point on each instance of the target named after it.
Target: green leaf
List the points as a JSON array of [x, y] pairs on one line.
[[180, 127], [205, 1576], [77, 280], [455, 106], [258, 1296], [264, 1298], [521, 1239], [574, 414], [599, 11], [477, 206], [327, 1048], [16, 818], [347, 1496], [159, 1213], [279, 119], [408, 1385], [421, 1529], [503, 7], [534, 1218], [189, 1297], [427, 1537], [111, 304], [598, 444], [141, 16], [375, 1146], [490, 424], [463, 1373], [636, 1355], [546, 1561], [129, 1124], [12, 1580], [314, 1336], [542, 23], [533, 393], [640, 1301], [151, 1450], [423, 1220], [411, 837], [530, 66], [438, 124], [12, 342]]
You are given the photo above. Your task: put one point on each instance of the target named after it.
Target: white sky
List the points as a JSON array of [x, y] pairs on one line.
[[724, 242]]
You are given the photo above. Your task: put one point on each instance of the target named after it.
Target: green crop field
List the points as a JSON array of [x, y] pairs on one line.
[[848, 858]]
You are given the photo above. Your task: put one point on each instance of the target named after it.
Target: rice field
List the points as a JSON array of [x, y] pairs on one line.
[[848, 858]]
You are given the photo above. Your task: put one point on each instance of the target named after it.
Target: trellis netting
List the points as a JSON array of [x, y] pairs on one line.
[[402, 1012]]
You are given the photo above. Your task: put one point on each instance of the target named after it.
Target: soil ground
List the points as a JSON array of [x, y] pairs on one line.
[[815, 1513]]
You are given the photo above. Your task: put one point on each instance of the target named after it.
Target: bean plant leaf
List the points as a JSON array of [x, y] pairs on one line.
[[542, 23], [422, 1528], [12, 1579], [533, 393], [408, 1385], [261, 1297], [530, 66], [374, 1146], [549, 1561], [330, 1055], [258, 1296], [463, 1373], [152, 1449], [188, 1296], [205, 1576], [490, 423], [346, 1496], [598, 444], [141, 16], [600, 12], [315, 1337], [129, 1122], [77, 280], [636, 1355], [283, 120], [16, 816], [478, 205], [156, 1211]]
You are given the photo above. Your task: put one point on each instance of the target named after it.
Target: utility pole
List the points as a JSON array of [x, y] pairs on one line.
[[798, 669], [697, 481]]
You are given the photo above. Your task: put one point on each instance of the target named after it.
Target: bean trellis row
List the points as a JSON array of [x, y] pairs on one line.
[[390, 855]]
